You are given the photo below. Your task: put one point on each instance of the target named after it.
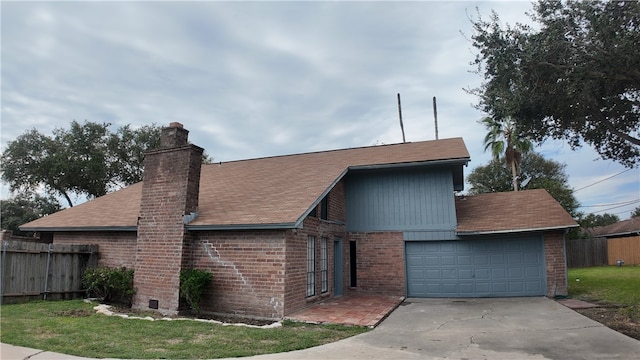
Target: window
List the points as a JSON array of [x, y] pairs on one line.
[[324, 208], [314, 212], [324, 266], [353, 265], [311, 265]]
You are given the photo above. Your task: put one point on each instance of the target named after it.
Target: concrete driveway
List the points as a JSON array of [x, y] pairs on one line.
[[473, 329], [470, 329]]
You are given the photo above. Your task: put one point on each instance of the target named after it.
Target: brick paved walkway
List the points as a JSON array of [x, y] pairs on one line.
[[361, 310]]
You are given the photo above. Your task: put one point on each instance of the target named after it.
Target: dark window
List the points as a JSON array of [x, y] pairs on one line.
[[46, 237], [311, 265], [324, 208], [314, 212], [352, 263], [324, 265]]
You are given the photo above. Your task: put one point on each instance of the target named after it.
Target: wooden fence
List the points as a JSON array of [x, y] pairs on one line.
[[31, 270], [626, 249], [587, 252]]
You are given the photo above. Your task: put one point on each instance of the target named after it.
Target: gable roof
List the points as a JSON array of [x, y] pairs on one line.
[[625, 227], [515, 211], [271, 192]]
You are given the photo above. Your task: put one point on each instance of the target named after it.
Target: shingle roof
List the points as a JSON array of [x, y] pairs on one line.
[[625, 227], [513, 211], [274, 190]]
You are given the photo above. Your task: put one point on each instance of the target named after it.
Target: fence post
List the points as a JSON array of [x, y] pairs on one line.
[[46, 279], [2, 271]]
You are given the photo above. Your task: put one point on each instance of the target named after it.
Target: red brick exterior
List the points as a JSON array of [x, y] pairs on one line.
[[170, 191], [261, 273], [115, 248], [295, 296], [555, 257], [248, 271], [380, 263]]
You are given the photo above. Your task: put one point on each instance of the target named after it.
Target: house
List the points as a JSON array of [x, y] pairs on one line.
[[281, 233], [623, 241]]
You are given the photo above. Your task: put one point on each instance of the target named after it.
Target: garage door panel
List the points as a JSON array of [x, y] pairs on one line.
[[465, 274], [481, 260], [514, 259], [532, 272], [476, 267], [465, 260], [415, 261], [482, 274], [498, 259], [515, 273], [448, 260]]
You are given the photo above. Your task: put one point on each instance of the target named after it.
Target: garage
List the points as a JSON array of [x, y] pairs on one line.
[[477, 267]]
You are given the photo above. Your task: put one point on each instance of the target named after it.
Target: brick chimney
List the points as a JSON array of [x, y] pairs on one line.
[[170, 191]]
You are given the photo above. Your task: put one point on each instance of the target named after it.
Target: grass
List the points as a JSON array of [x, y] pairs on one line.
[[611, 285], [73, 327]]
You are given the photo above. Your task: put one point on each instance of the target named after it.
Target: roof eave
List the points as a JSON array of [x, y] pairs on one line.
[[632, 232], [79, 228], [461, 161], [274, 226], [511, 231]]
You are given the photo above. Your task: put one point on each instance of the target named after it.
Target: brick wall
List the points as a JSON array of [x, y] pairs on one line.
[[296, 263], [554, 252], [379, 262], [296, 280], [115, 248], [248, 271], [170, 190]]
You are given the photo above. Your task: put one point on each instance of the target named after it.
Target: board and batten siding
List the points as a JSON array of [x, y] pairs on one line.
[[408, 200]]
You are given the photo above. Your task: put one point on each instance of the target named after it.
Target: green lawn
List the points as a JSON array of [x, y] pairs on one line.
[[610, 285], [73, 327]]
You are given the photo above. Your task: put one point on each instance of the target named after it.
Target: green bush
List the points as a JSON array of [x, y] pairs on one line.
[[193, 283], [110, 284]]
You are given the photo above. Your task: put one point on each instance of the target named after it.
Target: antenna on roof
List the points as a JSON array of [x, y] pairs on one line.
[[435, 115], [400, 114]]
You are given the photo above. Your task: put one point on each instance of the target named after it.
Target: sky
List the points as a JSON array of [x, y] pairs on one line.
[[256, 79]]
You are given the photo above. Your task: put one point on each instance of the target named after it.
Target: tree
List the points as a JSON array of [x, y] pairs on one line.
[[87, 159], [504, 138], [536, 173], [595, 220], [575, 78], [636, 212], [23, 208]]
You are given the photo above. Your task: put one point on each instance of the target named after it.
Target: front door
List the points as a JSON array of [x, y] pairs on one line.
[[337, 267]]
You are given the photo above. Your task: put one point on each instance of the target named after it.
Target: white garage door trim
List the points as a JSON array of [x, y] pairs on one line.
[[478, 267]]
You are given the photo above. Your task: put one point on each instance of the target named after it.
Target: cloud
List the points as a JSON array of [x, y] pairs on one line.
[[253, 79]]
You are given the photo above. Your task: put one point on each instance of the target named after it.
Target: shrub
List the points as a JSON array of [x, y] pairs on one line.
[[110, 284], [193, 283]]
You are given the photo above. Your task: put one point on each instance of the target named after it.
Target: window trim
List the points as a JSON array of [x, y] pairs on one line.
[[311, 265], [324, 265]]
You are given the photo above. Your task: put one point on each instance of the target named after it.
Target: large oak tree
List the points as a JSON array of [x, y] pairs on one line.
[[574, 75], [85, 160]]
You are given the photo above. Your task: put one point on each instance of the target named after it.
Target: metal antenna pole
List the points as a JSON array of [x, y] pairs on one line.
[[400, 114], [435, 115]]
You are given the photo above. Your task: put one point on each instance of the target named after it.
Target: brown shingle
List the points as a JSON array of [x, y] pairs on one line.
[[509, 212], [624, 227], [274, 190], [115, 210]]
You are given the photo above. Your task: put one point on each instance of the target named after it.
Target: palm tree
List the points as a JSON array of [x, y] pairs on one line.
[[503, 138]]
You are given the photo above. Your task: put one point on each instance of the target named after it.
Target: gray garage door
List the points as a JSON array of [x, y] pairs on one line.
[[476, 268]]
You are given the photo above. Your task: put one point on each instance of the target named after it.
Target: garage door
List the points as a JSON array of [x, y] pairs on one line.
[[476, 268]]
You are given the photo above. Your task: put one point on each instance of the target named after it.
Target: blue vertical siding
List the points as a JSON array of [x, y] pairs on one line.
[[400, 200]]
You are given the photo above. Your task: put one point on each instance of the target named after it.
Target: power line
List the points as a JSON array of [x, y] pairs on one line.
[[611, 204], [599, 181], [615, 207]]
